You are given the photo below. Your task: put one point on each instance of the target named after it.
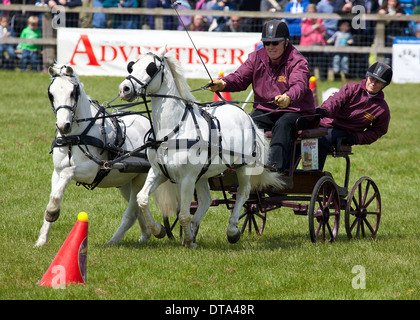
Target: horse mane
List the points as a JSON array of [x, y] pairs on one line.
[[62, 70], [178, 74]]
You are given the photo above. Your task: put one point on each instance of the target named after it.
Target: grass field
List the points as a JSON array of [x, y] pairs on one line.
[[281, 264]]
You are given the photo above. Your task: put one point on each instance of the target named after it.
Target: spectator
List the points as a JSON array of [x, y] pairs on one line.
[[327, 6], [313, 31], [342, 37], [235, 24], [85, 18], [198, 23], [186, 20], [99, 19], [219, 23], [358, 113], [123, 21], [206, 5], [72, 18], [7, 51], [273, 5], [295, 6], [168, 22], [362, 34], [417, 26], [252, 24], [31, 53], [393, 28]]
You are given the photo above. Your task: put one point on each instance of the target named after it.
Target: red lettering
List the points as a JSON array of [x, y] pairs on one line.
[[203, 54], [217, 55], [237, 57], [103, 53], [88, 51], [124, 54]]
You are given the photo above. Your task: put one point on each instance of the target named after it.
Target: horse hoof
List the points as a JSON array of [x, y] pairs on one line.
[[51, 216], [162, 232], [234, 238], [191, 245]]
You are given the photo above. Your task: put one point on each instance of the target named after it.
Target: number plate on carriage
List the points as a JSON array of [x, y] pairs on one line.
[[309, 150]]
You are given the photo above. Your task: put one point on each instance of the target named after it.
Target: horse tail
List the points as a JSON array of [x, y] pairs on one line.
[[267, 179], [166, 197]]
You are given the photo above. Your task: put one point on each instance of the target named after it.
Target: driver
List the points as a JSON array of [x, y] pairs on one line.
[[279, 75], [358, 113]]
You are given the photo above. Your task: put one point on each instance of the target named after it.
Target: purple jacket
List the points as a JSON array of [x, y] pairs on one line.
[[290, 76], [351, 109]]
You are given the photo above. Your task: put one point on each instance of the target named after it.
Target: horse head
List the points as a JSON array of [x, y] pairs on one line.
[[64, 95], [142, 78]]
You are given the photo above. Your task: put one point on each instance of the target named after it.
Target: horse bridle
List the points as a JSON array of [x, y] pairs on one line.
[[75, 94], [152, 70]]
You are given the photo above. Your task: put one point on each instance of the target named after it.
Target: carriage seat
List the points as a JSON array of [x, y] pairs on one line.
[[309, 130], [340, 150]]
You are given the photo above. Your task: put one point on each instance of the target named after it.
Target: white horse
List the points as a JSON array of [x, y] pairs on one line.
[[81, 145], [195, 143]]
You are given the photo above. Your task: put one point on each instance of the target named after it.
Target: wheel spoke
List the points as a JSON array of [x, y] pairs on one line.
[[245, 222], [368, 225], [367, 203], [356, 204], [254, 223], [366, 191], [353, 224]]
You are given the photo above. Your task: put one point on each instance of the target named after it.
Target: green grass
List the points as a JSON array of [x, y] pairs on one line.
[[282, 264]]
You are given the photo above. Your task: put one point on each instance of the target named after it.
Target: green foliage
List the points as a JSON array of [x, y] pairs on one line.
[[281, 264]]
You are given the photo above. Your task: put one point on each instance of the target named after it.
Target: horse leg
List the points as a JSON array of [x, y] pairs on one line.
[[187, 193], [58, 185], [131, 214], [153, 180], [244, 188], [43, 234], [59, 182], [204, 202]]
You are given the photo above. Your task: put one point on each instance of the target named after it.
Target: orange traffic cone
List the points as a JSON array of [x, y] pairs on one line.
[[312, 86], [225, 95], [69, 265]]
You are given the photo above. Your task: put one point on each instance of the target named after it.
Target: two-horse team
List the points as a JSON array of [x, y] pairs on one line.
[[170, 154]]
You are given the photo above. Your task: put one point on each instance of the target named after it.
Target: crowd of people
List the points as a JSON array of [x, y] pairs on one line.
[[304, 32]]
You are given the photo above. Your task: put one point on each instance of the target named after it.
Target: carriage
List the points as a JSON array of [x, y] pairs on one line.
[[312, 193]]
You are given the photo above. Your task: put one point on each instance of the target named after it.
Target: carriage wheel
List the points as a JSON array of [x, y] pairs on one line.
[[253, 219], [324, 211], [363, 210]]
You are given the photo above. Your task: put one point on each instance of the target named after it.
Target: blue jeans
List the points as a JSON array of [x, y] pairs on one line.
[[326, 142], [9, 63], [341, 63], [167, 20], [30, 57]]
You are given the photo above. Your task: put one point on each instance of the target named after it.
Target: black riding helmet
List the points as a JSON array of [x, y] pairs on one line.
[[275, 30], [380, 71]]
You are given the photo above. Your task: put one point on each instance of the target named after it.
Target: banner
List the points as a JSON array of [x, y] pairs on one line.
[[106, 52], [406, 60]]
